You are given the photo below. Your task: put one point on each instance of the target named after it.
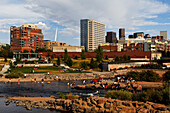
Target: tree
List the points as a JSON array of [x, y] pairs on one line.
[[52, 56], [166, 76], [92, 63], [99, 54], [65, 55], [84, 65], [48, 54], [58, 61], [83, 54], [116, 59], [106, 57], [128, 57], [69, 62]]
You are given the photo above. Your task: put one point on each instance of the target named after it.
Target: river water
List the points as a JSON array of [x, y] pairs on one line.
[[33, 90]]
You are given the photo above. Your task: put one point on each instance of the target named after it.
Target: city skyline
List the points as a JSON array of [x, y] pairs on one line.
[[148, 16]]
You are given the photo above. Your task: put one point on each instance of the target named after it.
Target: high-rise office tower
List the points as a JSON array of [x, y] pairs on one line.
[[164, 34], [138, 34], [27, 37], [121, 34], [111, 37], [92, 34]]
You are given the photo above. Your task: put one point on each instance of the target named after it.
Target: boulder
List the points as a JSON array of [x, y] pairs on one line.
[[126, 104], [101, 100], [107, 106]]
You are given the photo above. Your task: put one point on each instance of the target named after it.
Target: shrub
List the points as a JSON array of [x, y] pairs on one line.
[[134, 74], [84, 65], [61, 95], [1, 75], [148, 75], [140, 96], [70, 96], [166, 76], [121, 94], [14, 75]]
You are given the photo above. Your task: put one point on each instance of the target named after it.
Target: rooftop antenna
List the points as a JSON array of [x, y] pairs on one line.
[[56, 34]]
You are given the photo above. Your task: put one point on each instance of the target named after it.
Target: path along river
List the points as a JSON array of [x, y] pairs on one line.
[[30, 89]]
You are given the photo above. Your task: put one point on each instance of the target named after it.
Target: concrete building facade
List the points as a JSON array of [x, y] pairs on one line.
[[92, 34], [47, 44], [69, 48], [164, 34], [26, 37]]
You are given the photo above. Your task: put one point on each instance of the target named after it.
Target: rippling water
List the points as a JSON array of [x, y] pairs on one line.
[[30, 89]]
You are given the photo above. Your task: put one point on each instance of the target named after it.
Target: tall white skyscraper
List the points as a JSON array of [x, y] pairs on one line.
[[92, 34]]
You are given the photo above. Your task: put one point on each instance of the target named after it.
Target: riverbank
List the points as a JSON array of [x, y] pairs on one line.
[[51, 77], [88, 104]]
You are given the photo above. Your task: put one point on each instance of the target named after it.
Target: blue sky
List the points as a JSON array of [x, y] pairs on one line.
[[148, 16]]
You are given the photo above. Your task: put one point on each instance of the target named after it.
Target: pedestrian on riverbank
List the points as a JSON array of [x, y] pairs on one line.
[[9, 81], [84, 82], [25, 75], [18, 82]]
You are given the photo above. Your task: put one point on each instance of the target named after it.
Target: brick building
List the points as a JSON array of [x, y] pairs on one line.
[[109, 48], [26, 37], [133, 47]]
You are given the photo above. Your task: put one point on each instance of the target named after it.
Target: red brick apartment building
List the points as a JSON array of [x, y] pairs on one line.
[[26, 37], [133, 47]]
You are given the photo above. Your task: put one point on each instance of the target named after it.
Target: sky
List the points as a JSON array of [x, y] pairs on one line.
[[148, 16]]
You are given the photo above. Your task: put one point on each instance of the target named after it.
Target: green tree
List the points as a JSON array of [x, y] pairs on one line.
[[52, 56], [84, 65], [106, 57], [99, 54], [65, 55], [58, 61], [83, 54], [92, 64], [166, 76], [48, 54], [69, 62], [116, 59]]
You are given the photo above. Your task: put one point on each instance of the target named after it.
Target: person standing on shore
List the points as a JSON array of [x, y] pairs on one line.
[[18, 82], [9, 81]]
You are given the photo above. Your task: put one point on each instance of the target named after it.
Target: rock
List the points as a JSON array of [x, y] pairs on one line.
[[109, 100], [87, 110], [99, 105], [142, 110], [101, 110], [93, 102], [89, 104], [155, 106], [107, 111], [117, 103], [60, 108], [28, 107], [126, 104], [107, 106], [140, 103], [93, 110], [101, 100], [162, 108], [135, 104]]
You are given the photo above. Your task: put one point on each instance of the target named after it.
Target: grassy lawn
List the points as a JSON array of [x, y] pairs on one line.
[[37, 70]]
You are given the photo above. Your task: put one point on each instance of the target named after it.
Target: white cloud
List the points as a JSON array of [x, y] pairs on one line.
[[43, 26], [67, 13]]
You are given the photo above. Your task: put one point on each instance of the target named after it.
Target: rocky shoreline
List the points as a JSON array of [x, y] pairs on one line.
[[88, 105]]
